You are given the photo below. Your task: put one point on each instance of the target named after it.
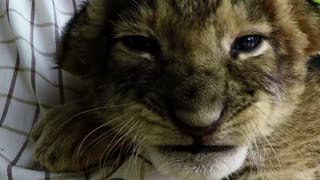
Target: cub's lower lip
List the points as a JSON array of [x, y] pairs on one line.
[[196, 149]]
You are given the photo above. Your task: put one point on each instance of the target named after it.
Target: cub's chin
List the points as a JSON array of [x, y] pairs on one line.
[[197, 162]]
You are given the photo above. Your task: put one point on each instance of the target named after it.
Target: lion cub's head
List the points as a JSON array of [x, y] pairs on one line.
[[193, 83]]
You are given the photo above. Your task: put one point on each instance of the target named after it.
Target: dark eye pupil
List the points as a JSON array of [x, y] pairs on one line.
[[247, 43], [141, 44]]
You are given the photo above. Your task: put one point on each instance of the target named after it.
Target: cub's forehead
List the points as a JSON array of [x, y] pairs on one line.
[[186, 15], [191, 8], [202, 10]]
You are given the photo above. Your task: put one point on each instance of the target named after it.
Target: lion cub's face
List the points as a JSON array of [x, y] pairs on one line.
[[199, 81]]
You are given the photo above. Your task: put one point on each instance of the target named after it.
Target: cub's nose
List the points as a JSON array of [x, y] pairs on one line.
[[200, 123]]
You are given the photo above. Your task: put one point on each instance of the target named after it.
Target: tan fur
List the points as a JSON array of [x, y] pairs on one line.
[[269, 97]]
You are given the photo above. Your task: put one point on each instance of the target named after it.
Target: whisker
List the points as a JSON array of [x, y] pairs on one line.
[[99, 139], [270, 145], [138, 148], [124, 136], [102, 138], [248, 133], [89, 111], [93, 131], [107, 148], [292, 146]]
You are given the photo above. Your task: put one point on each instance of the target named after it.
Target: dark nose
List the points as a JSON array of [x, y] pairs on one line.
[[195, 131]]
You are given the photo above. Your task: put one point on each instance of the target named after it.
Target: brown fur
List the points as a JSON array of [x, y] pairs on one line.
[[269, 99]]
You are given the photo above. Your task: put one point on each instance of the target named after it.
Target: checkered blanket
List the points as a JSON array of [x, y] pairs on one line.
[[30, 85]]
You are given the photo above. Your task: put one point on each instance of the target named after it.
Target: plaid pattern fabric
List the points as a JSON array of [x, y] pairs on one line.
[[30, 85]]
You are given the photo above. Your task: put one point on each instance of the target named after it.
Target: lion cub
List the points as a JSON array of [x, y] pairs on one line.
[[204, 89]]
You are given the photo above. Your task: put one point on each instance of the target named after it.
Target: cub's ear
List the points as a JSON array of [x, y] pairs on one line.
[[307, 14], [79, 36], [86, 38]]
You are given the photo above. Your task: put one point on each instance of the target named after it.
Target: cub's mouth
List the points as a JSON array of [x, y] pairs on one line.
[[195, 149]]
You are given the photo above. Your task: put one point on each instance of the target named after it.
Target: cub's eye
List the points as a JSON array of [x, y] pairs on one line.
[[141, 44], [246, 44]]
